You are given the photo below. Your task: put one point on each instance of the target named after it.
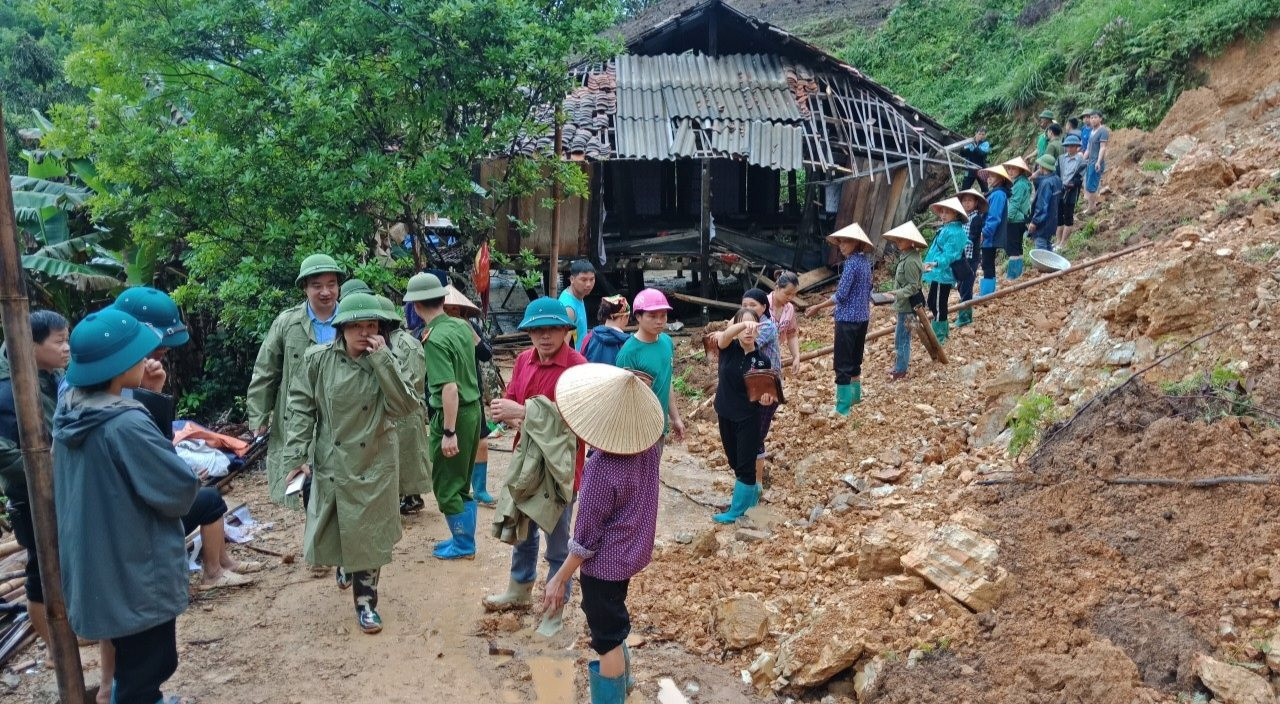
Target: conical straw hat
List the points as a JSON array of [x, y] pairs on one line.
[[1017, 162], [454, 297], [609, 408], [906, 231], [850, 232], [998, 170], [952, 204], [982, 198]]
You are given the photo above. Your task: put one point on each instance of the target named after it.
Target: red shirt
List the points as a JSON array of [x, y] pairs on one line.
[[534, 377]]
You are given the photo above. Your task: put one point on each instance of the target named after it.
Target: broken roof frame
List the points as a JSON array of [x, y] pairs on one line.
[[788, 113]]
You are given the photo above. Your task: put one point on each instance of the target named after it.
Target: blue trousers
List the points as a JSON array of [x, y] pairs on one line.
[[524, 556], [902, 342]]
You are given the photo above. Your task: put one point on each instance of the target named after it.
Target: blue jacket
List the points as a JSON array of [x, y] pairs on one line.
[[1045, 213], [993, 230], [948, 246], [121, 492], [603, 343]]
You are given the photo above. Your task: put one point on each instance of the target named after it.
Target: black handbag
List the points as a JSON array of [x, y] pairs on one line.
[[962, 269]]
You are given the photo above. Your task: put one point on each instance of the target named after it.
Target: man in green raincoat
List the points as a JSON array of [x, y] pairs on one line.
[[411, 432], [455, 419], [280, 358], [342, 406]]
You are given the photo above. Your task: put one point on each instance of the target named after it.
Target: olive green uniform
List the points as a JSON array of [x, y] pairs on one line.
[[411, 431], [267, 402], [451, 359], [341, 412]]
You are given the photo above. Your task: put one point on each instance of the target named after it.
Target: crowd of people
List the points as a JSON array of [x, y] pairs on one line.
[[367, 405]]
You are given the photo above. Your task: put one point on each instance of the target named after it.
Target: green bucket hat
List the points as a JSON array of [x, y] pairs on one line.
[[424, 287], [1047, 162], [545, 313], [1046, 114], [157, 309], [389, 307], [353, 286], [106, 344], [358, 307], [317, 264]]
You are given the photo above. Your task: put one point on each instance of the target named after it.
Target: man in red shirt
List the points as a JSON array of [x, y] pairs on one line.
[[535, 374]]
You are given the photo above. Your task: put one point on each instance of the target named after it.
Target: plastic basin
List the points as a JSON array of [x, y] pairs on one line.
[[1044, 260]]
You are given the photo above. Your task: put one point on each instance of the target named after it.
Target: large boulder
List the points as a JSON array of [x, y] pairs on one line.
[[961, 563], [818, 653], [1202, 167], [1231, 684], [741, 621], [883, 543]]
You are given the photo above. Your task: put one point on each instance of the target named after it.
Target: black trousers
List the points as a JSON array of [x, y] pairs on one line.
[[144, 661], [741, 439], [851, 342], [207, 508], [1016, 231], [604, 603], [938, 298], [970, 178], [25, 532], [988, 262]]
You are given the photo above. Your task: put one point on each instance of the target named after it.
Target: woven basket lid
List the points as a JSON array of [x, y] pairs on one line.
[[454, 297], [609, 408]]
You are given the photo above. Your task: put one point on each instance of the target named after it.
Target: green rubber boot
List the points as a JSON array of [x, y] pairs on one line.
[[844, 398], [941, 330], [857, 392], [964, 317], [745, 496]]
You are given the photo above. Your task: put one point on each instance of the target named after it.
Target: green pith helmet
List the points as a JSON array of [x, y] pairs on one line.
[[351, 286], [424, 287], [317, 264], [358, 307], [1046, 115], [389, 307], [1047, 162]]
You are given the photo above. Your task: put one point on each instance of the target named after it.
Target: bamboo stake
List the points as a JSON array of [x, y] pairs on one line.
[[823, 351], [32, 434]]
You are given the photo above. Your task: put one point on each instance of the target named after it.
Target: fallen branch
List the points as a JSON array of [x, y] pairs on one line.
[[1104, 396], [683, 493], [263, 551], [1257, 479]]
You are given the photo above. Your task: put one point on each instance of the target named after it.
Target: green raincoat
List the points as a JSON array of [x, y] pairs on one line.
[[411, 431], [341, 413], [267, 402]]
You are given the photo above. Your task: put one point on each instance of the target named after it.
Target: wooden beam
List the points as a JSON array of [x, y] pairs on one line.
[[704, 261], [708, 302]]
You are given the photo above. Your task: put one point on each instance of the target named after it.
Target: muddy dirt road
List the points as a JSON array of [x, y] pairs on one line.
[[291, 637]]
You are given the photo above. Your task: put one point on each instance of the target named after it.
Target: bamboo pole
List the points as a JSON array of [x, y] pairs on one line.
[[823, 351], [35, 447]]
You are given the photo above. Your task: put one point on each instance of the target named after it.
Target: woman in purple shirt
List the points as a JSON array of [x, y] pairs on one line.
[[617, 510], [852, 301]]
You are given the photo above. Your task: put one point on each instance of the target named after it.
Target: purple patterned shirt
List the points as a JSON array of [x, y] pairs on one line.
[[617, 514], [853, 294]]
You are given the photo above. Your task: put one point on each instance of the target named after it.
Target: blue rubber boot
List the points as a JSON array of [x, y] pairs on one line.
[[745, 496], [857, 392], [626, 658], [986, 287], [844, 398], [1014, 270], [606, 690], [463, 527], [479, 481]]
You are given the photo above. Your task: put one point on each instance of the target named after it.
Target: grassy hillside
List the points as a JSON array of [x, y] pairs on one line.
[[969, 61]]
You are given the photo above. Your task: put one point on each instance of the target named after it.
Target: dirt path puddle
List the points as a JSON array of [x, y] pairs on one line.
[[552, 680]]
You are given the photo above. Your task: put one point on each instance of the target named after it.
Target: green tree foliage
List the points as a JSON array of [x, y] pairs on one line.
[[31, 77], [970, 62], [243, 136]]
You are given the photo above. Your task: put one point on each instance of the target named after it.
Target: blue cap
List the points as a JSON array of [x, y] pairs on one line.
[[1072, 140], [545, 313], [106, 344], [155, 308]]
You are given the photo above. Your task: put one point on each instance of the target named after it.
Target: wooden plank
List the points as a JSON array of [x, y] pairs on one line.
[[709, 302], [812, 278]]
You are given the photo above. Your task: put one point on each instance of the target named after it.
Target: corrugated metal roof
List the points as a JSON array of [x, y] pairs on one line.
[[736, 87]]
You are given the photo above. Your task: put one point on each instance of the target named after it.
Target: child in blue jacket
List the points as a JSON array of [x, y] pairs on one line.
[[947, 248], [994, 228]]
